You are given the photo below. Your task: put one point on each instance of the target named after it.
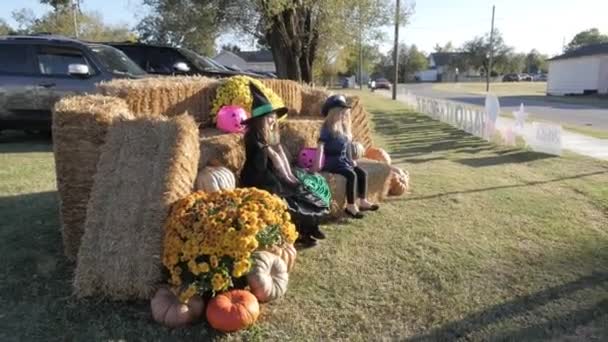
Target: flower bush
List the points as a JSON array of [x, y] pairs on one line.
[[235, 91], [209, 237]]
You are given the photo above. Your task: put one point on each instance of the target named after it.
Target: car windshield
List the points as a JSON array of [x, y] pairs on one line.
[[198, 60], [116, 61]]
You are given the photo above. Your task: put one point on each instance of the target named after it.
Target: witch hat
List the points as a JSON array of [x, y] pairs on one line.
[[261, 106]]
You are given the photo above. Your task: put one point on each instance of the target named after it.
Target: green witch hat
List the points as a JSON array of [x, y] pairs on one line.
[[261, 106]]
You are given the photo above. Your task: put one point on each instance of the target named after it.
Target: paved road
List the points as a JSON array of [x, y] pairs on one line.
[[561, 113]]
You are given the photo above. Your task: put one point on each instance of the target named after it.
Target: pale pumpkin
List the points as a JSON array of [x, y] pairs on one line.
[[233, 310], [268, 277], [378, 154], [357, 150], [287, 252], [215, 178], [169, 311], [400, 181]]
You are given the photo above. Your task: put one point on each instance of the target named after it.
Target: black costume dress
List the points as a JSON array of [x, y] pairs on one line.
[[305, 207]]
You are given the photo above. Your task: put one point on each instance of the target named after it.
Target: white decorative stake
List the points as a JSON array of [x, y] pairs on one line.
[[520, 119], [492, 111]]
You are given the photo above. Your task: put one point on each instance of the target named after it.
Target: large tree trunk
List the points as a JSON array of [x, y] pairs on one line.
[[293, 37]]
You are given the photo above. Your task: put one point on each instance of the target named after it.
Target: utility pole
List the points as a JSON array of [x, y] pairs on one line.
[[396, 53], [489, 71], [360, 49], [75, 12]]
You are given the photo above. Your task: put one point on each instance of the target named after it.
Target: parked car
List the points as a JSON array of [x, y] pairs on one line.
[[525, 77], [36, 71], [166, 60], [540, 78], [383, 83], [511, 78]]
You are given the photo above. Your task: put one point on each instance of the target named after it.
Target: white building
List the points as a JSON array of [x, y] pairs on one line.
[[580, 71], [247, 60], [442, 67]]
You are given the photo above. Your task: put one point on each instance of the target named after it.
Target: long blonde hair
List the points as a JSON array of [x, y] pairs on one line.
[[337, 126]]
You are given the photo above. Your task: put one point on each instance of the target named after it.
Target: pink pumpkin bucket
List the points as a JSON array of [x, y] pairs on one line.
[[229, 119], [307, 157]]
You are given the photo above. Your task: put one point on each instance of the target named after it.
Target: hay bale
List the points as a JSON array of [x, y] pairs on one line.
[[79, 129], [170, 96], [145, 165], [361, 122], [378, 178], [299, 133], [289, 91], [222, 149], [312, 101]]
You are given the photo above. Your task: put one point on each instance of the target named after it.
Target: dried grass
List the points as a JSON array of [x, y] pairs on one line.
[[361, 122], [378, 184], [289, 91], [312, 101], [222, 149], [299, 133], [79, 129], [145, 165], [170, 96]]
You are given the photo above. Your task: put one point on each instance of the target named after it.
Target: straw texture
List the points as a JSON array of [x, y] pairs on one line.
[[145, 165], [79, 129]]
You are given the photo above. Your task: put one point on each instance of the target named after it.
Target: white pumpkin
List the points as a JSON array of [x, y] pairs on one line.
[[358, 150], [268, 276], [215, 178]]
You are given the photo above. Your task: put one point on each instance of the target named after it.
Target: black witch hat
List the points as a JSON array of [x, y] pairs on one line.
[[261, 106]]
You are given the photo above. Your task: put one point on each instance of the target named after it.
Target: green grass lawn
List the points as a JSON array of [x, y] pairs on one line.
[[492, 244]]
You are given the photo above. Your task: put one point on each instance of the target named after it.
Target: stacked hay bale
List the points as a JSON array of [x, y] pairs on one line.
[[312, 100], [299, 133], [145, 165], [378, 184], [361, 122], [79, 129], [221, 149], [289, 91], [168, 96]]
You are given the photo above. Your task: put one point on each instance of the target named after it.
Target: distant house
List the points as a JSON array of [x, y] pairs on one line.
[[441, 67], [580, 71], [247, 60]]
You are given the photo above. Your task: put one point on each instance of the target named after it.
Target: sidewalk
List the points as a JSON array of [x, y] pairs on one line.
[[577, 143]]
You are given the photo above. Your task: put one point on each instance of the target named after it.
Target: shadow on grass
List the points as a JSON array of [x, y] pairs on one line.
[[510, 158], [36, 286], [558, 326], [19, 142], [525, 184]]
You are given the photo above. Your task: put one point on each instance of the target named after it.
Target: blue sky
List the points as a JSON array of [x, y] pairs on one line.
[[525, 24]]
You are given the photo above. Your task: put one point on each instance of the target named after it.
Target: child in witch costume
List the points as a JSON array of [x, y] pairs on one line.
[[267, 168]]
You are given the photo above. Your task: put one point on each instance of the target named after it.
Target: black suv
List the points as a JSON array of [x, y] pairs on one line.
[[166, 60], [36, 71]]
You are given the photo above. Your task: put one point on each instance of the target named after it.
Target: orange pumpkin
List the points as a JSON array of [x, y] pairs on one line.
[[233, 310], [169, 311], [376, 153], [400, 181], [287, 252]]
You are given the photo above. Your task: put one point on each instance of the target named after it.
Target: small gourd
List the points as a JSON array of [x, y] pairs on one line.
[[268, 277], [215, 178], [400, 181], [287, 252], [378, 154], [233, 310], [169, 311]]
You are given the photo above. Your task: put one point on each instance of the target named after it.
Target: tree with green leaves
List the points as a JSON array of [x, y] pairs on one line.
[[448, 47], [60, 22], [478, 52], [5, 29], [536, 62], [587, 37], [57, 4], [296, 31]]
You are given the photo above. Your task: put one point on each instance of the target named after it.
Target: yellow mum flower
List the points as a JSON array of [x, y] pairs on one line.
[[213, 261]]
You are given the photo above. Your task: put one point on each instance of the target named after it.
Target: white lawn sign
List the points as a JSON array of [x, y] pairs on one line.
[[546, 138]]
